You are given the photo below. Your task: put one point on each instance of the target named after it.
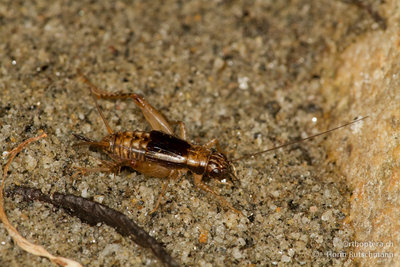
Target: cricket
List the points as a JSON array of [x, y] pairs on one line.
[[160, 153]]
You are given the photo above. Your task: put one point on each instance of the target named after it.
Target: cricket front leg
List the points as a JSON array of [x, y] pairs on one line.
[[200, 184]]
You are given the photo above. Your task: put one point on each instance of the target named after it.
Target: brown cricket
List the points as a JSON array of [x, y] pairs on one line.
[[161, 154]]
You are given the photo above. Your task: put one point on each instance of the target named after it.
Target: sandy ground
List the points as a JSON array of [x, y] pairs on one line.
[[245, 72]]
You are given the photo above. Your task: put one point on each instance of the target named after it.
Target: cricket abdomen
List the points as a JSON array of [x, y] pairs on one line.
[[127, 145]]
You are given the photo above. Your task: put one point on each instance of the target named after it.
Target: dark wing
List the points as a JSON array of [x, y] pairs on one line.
[[167, 149], [168, 144]]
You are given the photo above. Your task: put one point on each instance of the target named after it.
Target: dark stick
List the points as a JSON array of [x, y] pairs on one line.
[[92, 213]]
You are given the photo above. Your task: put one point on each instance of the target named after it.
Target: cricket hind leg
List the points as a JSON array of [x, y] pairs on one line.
[[156, 120]]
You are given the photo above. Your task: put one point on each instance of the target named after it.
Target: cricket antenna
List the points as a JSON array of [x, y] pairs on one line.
[[298, 141]]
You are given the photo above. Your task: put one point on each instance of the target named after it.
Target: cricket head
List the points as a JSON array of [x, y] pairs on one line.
[[220, 168]]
